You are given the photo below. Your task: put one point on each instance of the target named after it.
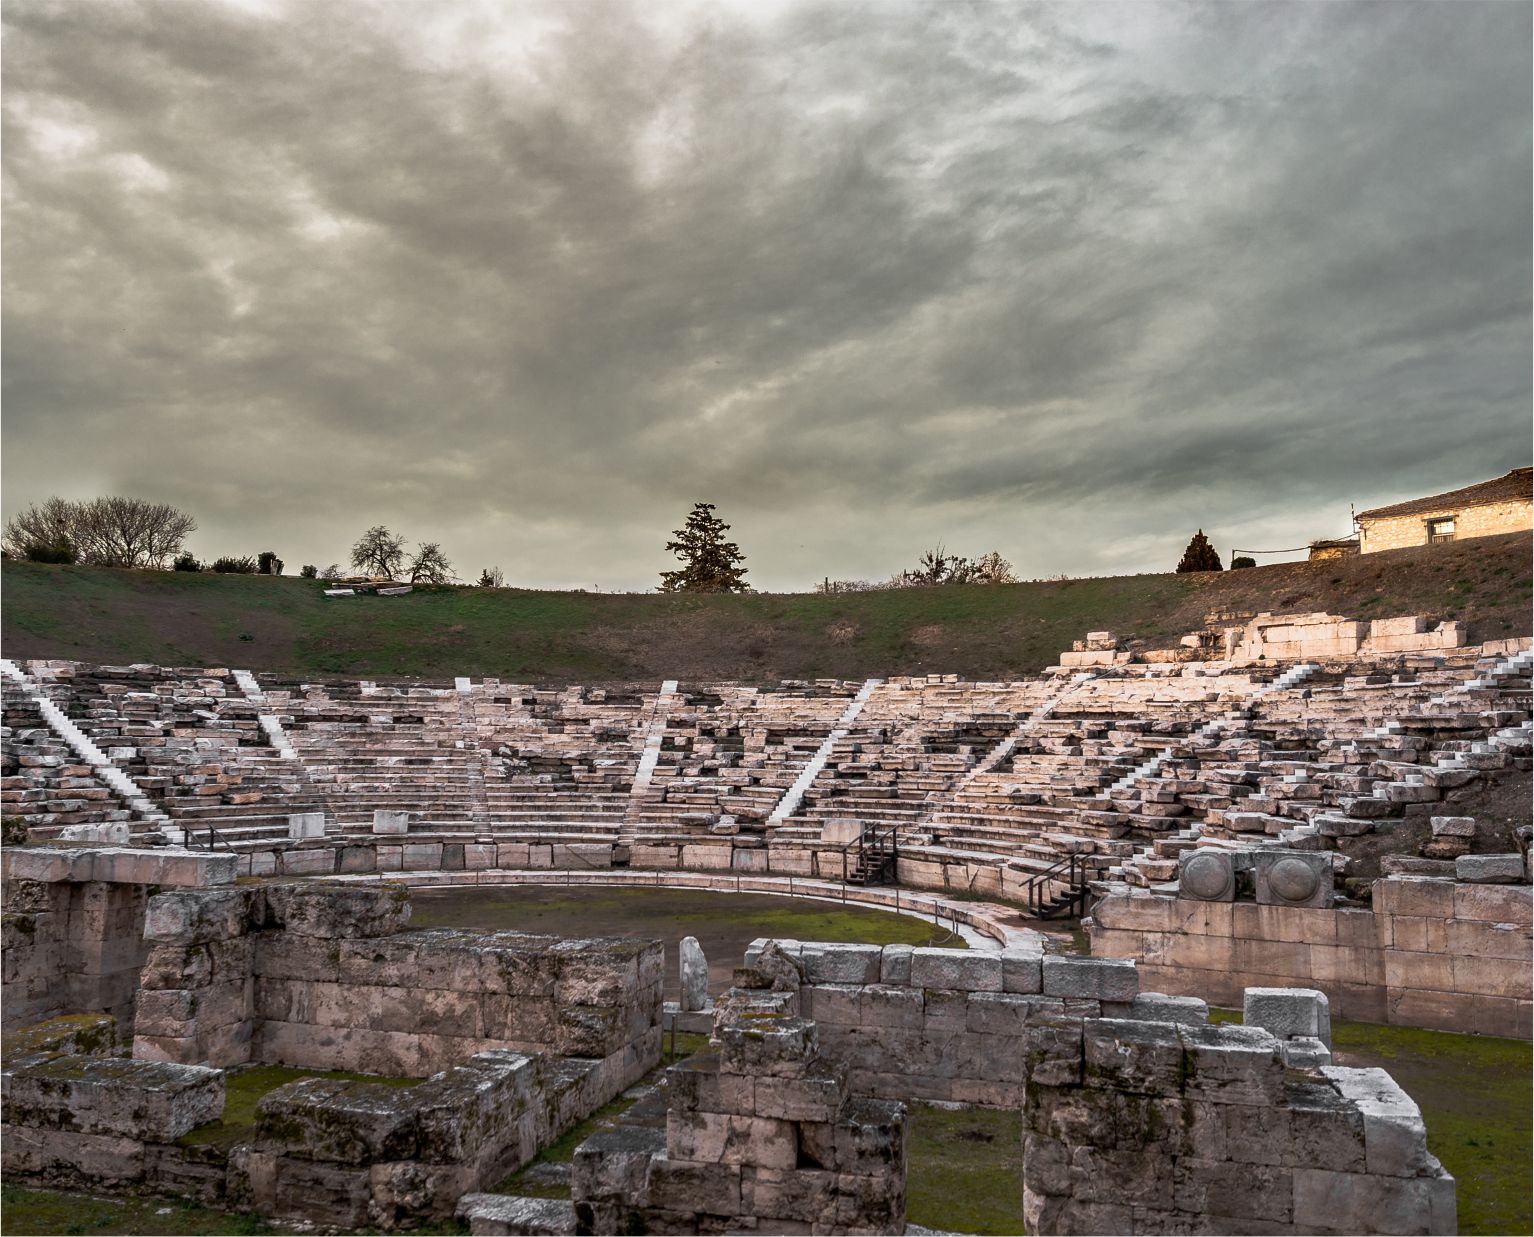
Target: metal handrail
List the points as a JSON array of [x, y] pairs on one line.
[[1036, 888], [871, 836]]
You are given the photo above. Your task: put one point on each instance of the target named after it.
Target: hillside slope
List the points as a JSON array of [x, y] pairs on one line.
[[287, 625]]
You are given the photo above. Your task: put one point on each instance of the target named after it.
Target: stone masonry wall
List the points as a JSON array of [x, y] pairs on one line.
[[74, 923], [1151, 1127], [1487, 520], [321, 976], [951, 1025], [1431, 953]]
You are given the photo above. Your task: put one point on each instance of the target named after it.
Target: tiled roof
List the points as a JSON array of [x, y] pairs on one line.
[[1515, 485]]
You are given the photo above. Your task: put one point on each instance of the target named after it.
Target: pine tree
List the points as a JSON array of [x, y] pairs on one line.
[[709, 562], [1200, 556]]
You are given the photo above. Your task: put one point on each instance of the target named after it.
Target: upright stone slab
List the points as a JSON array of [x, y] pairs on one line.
[[694, 972], [1289, 1013], [1294, 878], [1206, 875]]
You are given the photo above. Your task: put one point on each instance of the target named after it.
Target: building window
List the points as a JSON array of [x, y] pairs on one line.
[[1440, 530]]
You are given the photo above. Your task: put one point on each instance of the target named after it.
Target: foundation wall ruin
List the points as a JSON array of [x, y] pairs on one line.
[[323, 977], [1431, 952]]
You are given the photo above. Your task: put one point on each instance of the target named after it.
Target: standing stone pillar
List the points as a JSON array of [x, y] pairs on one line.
[[694, 968]]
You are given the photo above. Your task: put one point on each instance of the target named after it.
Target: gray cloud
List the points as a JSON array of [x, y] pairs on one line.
[[1062, 280]]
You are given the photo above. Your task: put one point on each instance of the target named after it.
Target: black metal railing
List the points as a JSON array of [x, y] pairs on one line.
[[1067, 871], [873, 857]]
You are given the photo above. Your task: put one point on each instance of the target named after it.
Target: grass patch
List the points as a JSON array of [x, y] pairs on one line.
[[184, 618], [1475, 1093], [965, 1169], [244, 1090], [40, 1213]]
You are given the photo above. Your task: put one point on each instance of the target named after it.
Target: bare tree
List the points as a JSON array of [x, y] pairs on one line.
[[992, 569], [379, 552], [106, 532], [429, 565]]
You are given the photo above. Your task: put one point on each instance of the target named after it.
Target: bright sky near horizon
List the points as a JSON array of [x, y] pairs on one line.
[[1063, 280]]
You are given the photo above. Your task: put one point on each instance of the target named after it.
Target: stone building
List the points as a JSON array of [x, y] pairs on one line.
[[1502, 505]]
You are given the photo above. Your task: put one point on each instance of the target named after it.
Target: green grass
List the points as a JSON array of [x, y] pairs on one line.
[[1476, 1094], [965, 1170], [36, 1213], [244, 1089], [183, 618]]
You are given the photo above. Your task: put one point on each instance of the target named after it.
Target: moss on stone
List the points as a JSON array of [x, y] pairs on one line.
[[246, 1086]]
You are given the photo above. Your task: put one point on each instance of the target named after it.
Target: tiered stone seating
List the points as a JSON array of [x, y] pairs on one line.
[[191, 741], [41, 781]]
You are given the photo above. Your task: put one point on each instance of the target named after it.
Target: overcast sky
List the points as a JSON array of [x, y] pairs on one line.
[[1063, 280]]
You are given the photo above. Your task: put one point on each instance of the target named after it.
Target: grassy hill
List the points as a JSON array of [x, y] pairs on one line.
[[287, 625]]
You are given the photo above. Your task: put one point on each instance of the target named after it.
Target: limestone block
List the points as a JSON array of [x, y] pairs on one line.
[[1138, 1057], [37, 863], [895, 964], [1158, 1007], [962, 970], [1341, 1202], [1103, 979], [1293, 878], [614, 1163], [157, 1101], [690, 1188], [1289, 1012], [1022, 969], [1232, 1065], [98, 1158], [1490, 869], [338, 1121], [730, 1138], [332, 911], [841, 964], [316, 861], [774, 1047], [694, 972], [393, 823], [1206, 875], [1453, 826], [1492, 903], [1305, 1052], [304, 825], [496, 1214], [589, 1031], [196, 916], [1395, 1139]]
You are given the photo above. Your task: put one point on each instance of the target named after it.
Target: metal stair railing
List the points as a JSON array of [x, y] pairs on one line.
[[1062, 871]]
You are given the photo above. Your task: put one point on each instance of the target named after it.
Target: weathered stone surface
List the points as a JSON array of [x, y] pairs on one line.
[[1395, 1138], [1158, 1007], [694, 973], [1103, 979], [1206, 875], [331, 911], [1490, 869], [197, 916], [492, 1215], [1293, 878], [1289, 1012], [962, 970], [95, 1095]]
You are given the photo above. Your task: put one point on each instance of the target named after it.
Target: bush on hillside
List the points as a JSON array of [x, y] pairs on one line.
[[491, 577], [1242, 560], [268, 564], [308, 571], [229, 565], [104, 532], [186, 562], [62, 552]]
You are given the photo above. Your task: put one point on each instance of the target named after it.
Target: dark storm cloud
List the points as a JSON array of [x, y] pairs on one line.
[[1062, 280]]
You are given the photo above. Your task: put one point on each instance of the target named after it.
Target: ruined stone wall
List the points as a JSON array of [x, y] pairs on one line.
[[1150, 1127], [1431, 953], [1488, 520], [322, 977], [951, 1025], [71, 938]]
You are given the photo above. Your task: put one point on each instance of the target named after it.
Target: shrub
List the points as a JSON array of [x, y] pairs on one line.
[[491, 577], [1199, 556], [229, 565], [268, 564], [1242, 560], [104, 532], [58, 552], [186, 562], [308, 571]]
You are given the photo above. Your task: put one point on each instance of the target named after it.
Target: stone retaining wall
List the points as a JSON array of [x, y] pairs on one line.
[[1150, 1127], [74, 923], [321, 976], [1431, 953], [950, 1025]]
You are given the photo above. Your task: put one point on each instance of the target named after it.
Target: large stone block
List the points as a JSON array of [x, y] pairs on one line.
[[774, 1047], [1102, 979], [391, 823], [1326, 1200], [964, 970], [1232, 1065], [332, 911], [339, 1122], [1289, 1012], [1294, 878], [1137, 1057], [1490, 869], [1395, 1138], [197, 916], [155, 1101], [841, 964], [1206, 875]]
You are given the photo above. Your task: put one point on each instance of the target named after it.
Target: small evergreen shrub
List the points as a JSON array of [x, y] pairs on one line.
[[309, 571], [1199, 556], [230, 565], [1242, 560], [268, 564], [186, 562]]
